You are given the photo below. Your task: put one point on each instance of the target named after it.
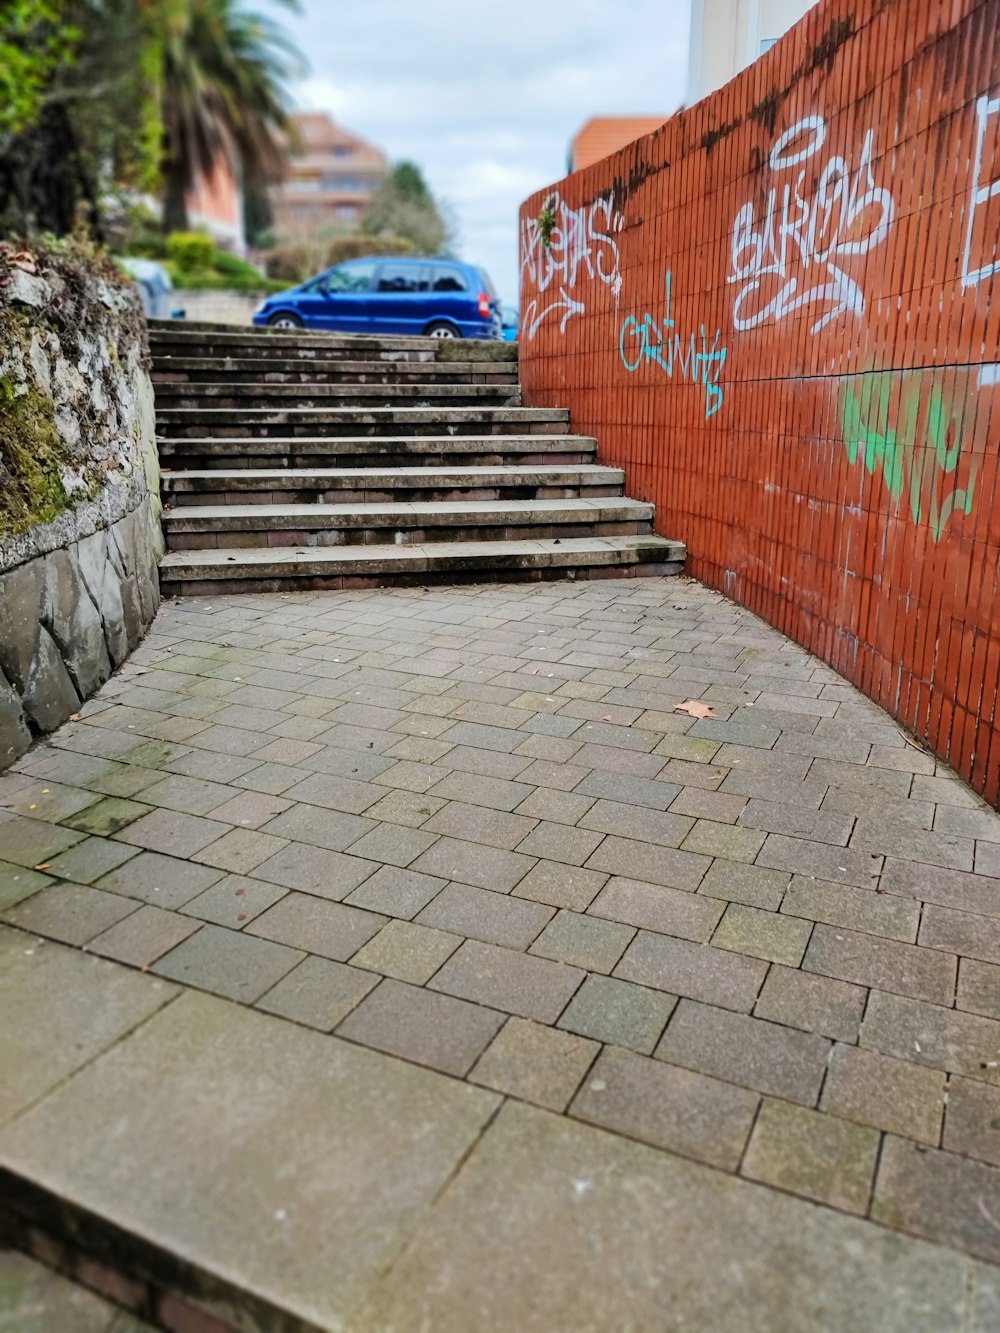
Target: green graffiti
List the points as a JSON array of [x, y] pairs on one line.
[[901, 424]]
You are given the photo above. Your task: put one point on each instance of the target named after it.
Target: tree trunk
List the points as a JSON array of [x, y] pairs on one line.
[[175, 214]]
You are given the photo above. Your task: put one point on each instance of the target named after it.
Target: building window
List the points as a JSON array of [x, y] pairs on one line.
[[766, 43]]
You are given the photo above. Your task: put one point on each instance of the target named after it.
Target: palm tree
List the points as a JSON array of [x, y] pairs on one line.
[[223, 75]]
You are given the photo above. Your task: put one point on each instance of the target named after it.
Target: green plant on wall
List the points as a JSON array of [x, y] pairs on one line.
[[902, 426], [546, 223]]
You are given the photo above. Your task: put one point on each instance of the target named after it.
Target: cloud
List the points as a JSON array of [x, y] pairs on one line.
[[487, 97]]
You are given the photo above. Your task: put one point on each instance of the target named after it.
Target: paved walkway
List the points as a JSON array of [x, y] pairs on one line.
[[468, 829]]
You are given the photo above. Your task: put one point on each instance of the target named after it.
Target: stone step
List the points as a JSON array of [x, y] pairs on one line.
[[377, 485], [257, 525], [283, 452], [211, 572], [185, 339], [176, 422], [353, 394], [328, 370]]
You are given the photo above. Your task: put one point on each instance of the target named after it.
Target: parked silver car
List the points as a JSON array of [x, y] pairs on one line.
[[155, 288]]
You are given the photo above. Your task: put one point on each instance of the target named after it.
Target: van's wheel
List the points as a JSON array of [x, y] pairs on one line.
[[439, 329], [285, 321]]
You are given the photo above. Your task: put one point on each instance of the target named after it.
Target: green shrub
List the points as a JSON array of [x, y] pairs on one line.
[[190, 251]]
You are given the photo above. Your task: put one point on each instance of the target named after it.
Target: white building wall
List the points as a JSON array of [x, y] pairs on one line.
[[728, 35]]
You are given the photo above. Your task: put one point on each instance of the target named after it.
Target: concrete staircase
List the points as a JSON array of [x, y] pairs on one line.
[[304, 461]]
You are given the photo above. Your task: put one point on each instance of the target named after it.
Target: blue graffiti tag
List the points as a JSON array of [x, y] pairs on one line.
[[669, 351]]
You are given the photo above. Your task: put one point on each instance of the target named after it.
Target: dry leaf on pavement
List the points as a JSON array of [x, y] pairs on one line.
[[695, 707]]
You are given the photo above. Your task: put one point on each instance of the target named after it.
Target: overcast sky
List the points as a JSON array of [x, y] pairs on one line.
[[485, 95]]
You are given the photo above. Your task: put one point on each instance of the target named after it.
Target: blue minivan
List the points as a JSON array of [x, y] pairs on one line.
[[390, 294]]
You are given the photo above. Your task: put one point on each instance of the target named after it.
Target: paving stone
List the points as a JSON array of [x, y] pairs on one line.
[[210, 1054], [161, 880], [812, 1003], [707, 777], [798, 821], [173, 833], [234, 901], [657, 907], [190, 795], [17, 883], [618, 1012], [644, 861], [949, 888], [645, 825], [735, 881], [839, 1272], [90, 859], [49, 800], [727, 840], [251, 809], [143, 936], [943, 791], [61, 1008], [407, 951], [972, 1120], [841, 865], [614, 760], [763, 934], [629, 790], [30, 842], [960, 932], [869, 960], [583, 942], [331, 829], [750, 1051], [71, 913], [476, 824], [318, 992], [928, 1034], [518, 983], [939, 849], [315, 870], [221, 768], [845, 905], [557, 842], [420, 1025], [336, 793], [393, 844], [815, 1155], [108, 816], [273, 779], [228, 963], [682, 967], [535, 1063], [978, 987], [876, 1090], [677, 1109], [330, 929], [405, 807], [469, 863], [559, 885], [480, 914], [474, 788], [987, 861], [240, 850], [948, 1199], [704, 804]]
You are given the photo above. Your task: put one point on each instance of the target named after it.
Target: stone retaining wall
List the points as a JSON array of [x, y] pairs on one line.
[[80, 534]]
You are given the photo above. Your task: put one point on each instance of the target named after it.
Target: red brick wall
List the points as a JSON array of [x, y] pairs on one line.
[[816, 412]]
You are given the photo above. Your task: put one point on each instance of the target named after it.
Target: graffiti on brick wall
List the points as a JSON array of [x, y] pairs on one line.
[[981, 232], [581, 251], [648, 340], [904, 426], [791, 256]]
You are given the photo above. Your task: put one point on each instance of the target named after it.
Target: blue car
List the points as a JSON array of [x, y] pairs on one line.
[[511, 322], [433, 298]]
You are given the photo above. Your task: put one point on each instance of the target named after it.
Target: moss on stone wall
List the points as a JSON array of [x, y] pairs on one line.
[[32, 456]]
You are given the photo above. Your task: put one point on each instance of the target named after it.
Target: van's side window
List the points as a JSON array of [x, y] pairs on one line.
[[403, 278], [449, 280]]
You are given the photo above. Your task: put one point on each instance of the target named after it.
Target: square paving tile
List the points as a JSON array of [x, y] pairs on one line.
[[430, 1029], [815, 1155], [91, 859], [318, 992], [107, 816], [228, 963], [393, 844], [619, 1013], [234, 900], [673, 1108], [240, 850], [143, 936], [163, 881], [17, 883], [559, 885], [538, 1064], [516, 982], [583, 941], [317, 926], [172, 833], [72, 913], [396, 892], [407, 951], [30, 842]]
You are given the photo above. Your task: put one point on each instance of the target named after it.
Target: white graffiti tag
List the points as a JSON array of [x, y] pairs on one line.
[[799, 243], [982, 192], [581, 249]]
